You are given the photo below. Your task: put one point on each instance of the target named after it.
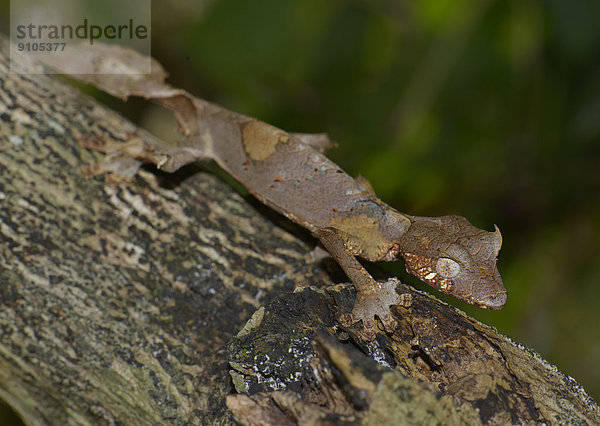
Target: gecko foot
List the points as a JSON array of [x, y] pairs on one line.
[[376, 302], [120, 163]]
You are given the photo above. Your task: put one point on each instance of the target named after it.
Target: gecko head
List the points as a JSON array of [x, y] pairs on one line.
[[455, 257]]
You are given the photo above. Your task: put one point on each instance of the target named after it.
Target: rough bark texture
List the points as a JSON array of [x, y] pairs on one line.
[[117, 303]]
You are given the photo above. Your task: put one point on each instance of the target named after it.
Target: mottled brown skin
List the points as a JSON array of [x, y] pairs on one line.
[[455, 257], [290, 174]]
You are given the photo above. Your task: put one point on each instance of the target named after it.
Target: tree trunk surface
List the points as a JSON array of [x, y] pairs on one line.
[[174, 300]]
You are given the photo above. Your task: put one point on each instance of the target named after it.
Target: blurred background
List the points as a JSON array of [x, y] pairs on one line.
[[487, 109]]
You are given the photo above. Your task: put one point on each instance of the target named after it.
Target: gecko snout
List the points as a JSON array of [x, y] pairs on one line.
[[494, 302]]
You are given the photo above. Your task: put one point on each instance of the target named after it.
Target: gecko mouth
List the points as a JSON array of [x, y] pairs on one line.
[[493, 302]]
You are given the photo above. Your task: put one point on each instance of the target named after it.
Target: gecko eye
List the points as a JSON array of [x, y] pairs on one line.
[[447, 268]]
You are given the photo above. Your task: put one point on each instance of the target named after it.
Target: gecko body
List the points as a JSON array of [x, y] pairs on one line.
[[288, 173], [301, 183]]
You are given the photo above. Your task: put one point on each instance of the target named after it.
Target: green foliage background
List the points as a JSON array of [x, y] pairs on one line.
[[487, 109]]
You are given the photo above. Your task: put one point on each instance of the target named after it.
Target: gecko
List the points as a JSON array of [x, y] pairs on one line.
[[290, 173]]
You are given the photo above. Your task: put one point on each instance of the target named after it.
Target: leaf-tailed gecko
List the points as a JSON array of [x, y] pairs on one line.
[[287, 173]]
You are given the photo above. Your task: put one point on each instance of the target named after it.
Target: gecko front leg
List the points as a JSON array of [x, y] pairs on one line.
[[373, 298], [123, 159]]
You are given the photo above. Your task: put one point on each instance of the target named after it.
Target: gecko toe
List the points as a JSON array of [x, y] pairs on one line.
[[389, 323], [348, 319], [368, 330]]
